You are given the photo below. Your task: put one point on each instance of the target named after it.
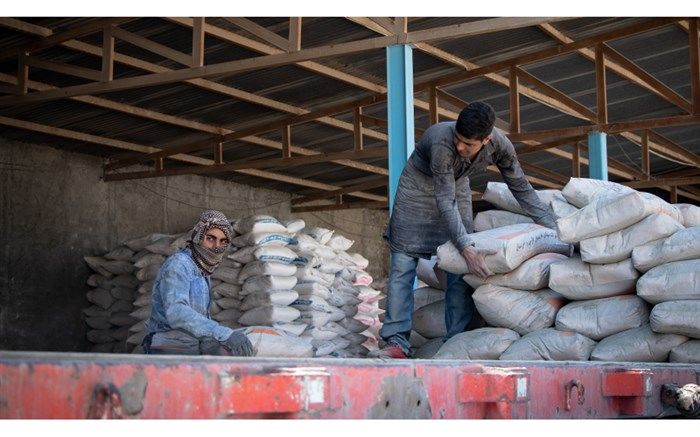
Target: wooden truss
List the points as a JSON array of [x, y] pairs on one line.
[[276, 50]]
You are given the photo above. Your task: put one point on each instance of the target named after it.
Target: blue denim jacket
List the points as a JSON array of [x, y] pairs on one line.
[[181, 300], [433, 201]]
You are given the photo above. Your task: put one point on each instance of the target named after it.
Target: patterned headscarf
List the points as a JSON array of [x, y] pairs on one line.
[[209, 259]]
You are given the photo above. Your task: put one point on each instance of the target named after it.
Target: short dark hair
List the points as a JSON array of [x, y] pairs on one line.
[[476, 121]]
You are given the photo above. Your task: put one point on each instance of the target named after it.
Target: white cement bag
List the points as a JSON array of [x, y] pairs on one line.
[[425, 296], [294, 225], [306, 258], [330, 267], [269, 268], [151, 258], [605, 215], [562, 208], [227, 290], [496, 218], [637, 344], [315, 303], [479, 344], [581, 191], [277, 298], [304, 243], [429, 320], [321, 235], [688, 352], [324, 348], [676, 317], [690, 213], [499, 195], [313, 289], [268, 283], [271, 342], [294, 328], [316, 318], [138, 326], [682, 245], [550, 345], [618, 245], [249, 254], [519, 310], [677, 280], [532, 274], [310, 274], [361, 262], [577, 280], [263, 239], [181, 241], [600, 318], [512, 246], [428, 350], [258, 223], [269, 314], [338, 242], [121, 253], [431, 275], [226, 274]]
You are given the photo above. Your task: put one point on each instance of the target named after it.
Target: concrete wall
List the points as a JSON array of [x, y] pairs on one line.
[[55, 210]]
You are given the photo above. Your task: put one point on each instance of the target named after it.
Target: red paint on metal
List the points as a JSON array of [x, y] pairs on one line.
[[55, 385]]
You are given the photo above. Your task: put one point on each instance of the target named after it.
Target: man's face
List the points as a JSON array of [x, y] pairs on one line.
[[214, 239], [468, 148]]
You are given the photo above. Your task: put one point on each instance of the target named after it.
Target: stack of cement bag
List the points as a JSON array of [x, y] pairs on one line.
[[336, 302], [590, 298], [671, 283], [295, 300], [516, 302], [612, 222], [122, 297], [428, 322]]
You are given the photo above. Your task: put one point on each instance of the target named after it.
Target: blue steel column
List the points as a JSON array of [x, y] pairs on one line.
[[597, 156], [399, 68]]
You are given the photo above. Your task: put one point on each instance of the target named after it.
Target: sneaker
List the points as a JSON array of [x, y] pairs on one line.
[[390, 350]]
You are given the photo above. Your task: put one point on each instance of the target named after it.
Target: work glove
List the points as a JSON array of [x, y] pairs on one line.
[[238, 344]]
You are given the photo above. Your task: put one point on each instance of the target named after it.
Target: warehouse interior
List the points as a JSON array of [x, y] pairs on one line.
[[113, 128]]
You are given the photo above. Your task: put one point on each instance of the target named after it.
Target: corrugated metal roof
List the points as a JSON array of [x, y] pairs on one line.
[[662, 52]]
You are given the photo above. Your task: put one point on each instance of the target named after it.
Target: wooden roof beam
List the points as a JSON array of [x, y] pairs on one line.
[[89, 28], [123, 145], [629, 70], [268, 61]]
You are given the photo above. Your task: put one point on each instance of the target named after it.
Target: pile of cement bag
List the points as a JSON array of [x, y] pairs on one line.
[[632, 293], [297, 294]]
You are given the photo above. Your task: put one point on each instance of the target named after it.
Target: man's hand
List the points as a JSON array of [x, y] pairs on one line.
[[475, 261], [238, 344]]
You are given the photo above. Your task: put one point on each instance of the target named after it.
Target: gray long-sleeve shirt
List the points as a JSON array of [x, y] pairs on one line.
[[433, 200]]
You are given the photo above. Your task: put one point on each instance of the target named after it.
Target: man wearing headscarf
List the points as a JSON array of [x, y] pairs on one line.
[[180, 322]]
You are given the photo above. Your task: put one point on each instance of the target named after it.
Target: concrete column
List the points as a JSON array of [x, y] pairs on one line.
[[399, 66], [597, 156]]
